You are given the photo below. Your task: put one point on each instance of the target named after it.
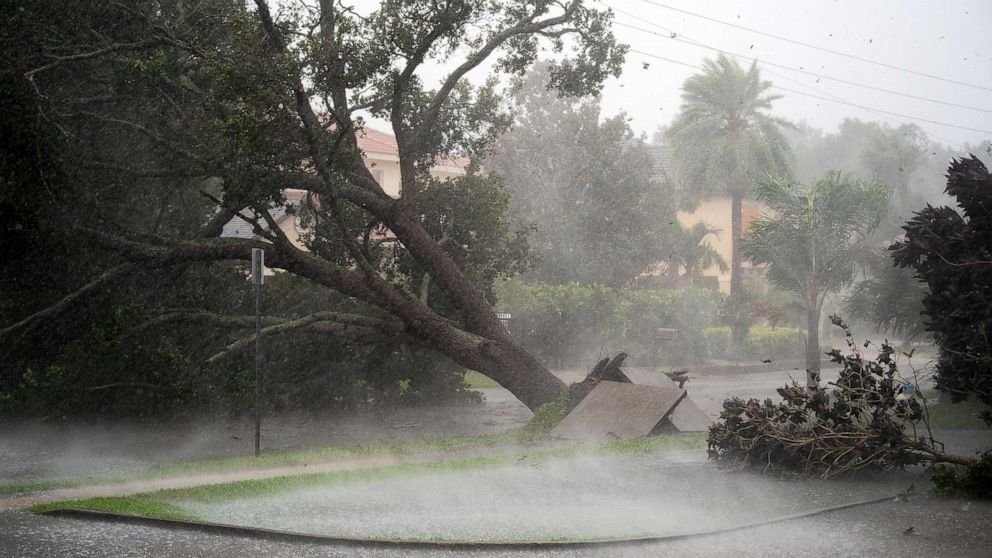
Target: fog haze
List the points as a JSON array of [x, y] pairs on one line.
[[945, 39]]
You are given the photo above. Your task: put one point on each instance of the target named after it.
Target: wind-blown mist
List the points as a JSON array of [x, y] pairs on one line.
[[588, 498]]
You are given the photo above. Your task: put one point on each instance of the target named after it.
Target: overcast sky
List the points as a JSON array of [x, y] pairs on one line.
[[949, 39]]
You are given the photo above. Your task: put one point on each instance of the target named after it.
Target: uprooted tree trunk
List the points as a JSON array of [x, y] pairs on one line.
[[606, 369], [486, 347]]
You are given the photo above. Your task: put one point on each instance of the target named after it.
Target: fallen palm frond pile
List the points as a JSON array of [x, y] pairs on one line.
[[869, 419]]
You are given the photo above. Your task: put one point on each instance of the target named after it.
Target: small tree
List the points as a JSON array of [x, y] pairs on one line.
[[692, 251], [811, 239], [952, 253]]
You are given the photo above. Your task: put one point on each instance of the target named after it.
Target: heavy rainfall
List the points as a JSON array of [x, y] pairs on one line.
[[495, 278]]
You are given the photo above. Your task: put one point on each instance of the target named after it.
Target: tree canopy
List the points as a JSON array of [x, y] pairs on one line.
[[951, 252], [811, 240], [149, 125], [587, 186], [723, 139]]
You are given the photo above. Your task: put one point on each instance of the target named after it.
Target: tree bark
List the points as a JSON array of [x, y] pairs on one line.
[[476, 347], [812, 342], [736, 217]]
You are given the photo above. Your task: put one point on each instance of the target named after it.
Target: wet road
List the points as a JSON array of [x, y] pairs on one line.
[[940, 528]]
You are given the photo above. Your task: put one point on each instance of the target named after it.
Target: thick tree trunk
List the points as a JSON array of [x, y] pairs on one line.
[[673, 273], [478, 347], [736, 217], [812, 344], [522, 375]]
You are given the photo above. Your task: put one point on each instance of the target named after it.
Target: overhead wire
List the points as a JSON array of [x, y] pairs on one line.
[[672, 34], [676, 37], [816, 47], [864, 107]]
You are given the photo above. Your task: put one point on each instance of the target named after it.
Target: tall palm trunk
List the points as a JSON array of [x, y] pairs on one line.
[[812, 341], [736, 217]]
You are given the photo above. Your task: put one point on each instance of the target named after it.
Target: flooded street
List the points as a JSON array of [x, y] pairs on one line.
[[940, 527]]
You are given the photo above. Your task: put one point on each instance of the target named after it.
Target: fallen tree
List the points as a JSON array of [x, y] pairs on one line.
[[232, 105], [863, 421]]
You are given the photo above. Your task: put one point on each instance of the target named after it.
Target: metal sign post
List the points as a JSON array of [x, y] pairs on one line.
[[258, 277]]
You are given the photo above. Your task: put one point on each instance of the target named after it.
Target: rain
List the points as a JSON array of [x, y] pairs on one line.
[[495, 278]]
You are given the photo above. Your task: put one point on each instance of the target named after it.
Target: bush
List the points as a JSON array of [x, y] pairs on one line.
[[572, 325], [974, 481], [782, 343]]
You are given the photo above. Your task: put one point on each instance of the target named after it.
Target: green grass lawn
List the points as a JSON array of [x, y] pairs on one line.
[[474, 380], [271, 460], [442, 445], [944, 414]]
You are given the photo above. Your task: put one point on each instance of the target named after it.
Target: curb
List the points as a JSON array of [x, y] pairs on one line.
[[289, 536]]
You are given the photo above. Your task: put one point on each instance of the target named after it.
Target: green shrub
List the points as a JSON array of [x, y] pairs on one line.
[[782, 343], [973, 481], [572, 325]]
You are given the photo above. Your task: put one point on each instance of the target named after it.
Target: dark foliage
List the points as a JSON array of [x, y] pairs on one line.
[[860, 424], [951, 252], [974, 481]]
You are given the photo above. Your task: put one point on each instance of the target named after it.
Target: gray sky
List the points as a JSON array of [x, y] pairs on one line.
[[948, 39]]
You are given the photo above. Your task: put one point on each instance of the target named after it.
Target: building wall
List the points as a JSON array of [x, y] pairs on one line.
[[715, 212], [386, 169]]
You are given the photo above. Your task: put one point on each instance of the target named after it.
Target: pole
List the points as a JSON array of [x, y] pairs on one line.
[[257, 264]]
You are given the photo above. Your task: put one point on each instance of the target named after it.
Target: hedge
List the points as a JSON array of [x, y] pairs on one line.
[[781, 343], [572, 325]]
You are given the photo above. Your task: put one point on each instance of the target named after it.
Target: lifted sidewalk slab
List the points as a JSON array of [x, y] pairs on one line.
[[619, 410]]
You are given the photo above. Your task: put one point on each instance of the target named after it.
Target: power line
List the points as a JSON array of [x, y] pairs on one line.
[[815, 47], [881, 111], [675, 37], [880, 115], [690, 40], [839, 101]]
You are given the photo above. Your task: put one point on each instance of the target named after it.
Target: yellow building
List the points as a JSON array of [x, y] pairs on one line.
[[381, 156], [714, 211]]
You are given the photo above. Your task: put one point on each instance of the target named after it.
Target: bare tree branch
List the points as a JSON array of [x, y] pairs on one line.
[[58, 60], [97, 283], [329, 322]]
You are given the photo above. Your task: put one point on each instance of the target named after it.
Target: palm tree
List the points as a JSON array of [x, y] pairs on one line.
[[691, 251], [812, 241], [723, 142]]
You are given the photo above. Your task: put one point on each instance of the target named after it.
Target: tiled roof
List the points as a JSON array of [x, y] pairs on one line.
[[371, 140], [239, 228]]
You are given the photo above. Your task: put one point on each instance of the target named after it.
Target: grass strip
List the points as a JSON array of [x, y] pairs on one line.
[[280, 459], [474, 380], [140, 504], [166, 503], [944, 414]]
